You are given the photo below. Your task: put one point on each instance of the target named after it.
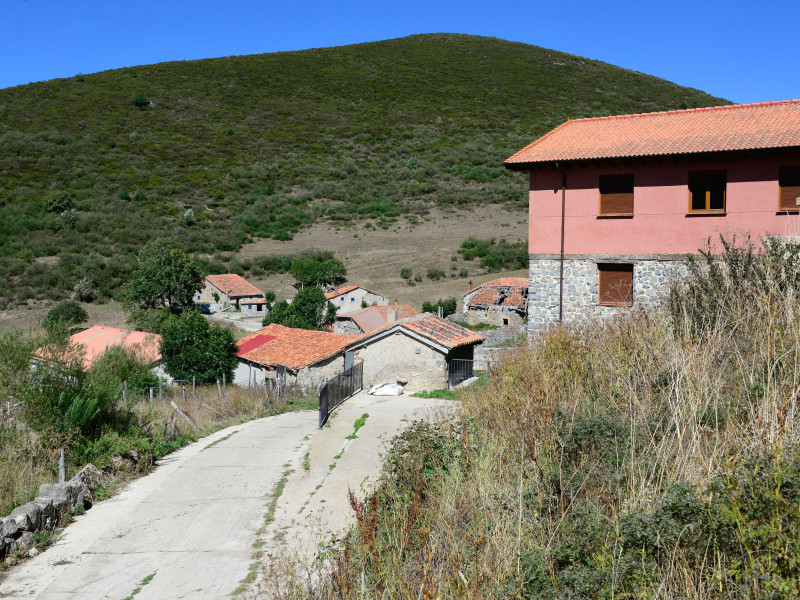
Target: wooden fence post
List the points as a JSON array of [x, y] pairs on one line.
[[183, 392], [62, 473], [125, 391], [151, 397], [224, 391], [193, 386], [219, 389]]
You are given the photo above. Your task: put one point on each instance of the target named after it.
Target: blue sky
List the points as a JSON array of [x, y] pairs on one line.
[[736, 53]]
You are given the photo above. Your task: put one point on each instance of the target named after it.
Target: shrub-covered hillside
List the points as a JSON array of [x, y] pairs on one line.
[[215, 152]]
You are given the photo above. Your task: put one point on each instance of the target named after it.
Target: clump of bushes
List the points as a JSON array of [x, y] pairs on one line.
[[654, 455], [496, 256], [448, 306]]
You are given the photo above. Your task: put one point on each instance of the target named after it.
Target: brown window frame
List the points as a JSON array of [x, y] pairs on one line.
[[708, 173], [609, 198], [603, 270], [791, 172]]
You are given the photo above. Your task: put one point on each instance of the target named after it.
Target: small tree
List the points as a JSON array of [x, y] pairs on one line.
[[308, 310], [191, 347], [165, 277], [188, 217], [324, 274], [84, 290], [66, 314], [59, 201], [140, 100], [448, 306], [68, 219]]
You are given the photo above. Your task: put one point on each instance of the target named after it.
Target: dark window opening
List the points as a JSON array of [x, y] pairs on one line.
[[789, 183], [505, 321], [616, 195], [707, 191], [615, 284]]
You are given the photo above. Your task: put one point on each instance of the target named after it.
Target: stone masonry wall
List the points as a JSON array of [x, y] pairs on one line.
[[651, 280]]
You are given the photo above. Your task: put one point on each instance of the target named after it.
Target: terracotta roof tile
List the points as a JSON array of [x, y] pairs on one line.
[[294, 348], [375, 317], [506, 281], [340, 291], [443, 332], [714, 129], [93, 342], [234, 285], [496, 296]]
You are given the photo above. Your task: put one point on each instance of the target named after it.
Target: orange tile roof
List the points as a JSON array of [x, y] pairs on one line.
[[294, 348], [713, 129], [437, 330], [341, 290], [491, 292], [93, 342], [374, 317], [234, 285], [443, 332], [506, 281]]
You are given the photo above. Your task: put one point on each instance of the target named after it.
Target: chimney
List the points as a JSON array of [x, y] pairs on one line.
[[469, 289]]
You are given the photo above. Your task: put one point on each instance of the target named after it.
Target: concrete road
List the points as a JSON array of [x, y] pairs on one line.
[[185, 531]]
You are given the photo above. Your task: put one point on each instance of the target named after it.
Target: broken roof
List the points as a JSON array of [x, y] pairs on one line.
[[93, 342], [293, 348], [506, 291], [714, 129], [374, 317], [234, 285]]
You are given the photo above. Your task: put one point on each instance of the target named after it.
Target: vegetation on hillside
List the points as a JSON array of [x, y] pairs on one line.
[[216, 152], [652, 456], [496, 256]]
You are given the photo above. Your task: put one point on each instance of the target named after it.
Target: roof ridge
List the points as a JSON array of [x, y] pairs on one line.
[[683, 110]]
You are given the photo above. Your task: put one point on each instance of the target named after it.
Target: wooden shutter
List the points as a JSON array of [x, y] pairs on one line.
[[616, 195], [707, 190], [789, 182], [615, 285]]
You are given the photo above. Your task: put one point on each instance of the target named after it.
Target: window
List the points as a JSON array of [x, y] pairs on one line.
[[259, 307], [615, 285], [616, 195], [789, 182], [352, 299], [707, 191], [505, 321]]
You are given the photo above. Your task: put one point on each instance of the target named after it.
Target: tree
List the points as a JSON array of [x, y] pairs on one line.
[[165, 277], [308, 310], [66, 314], [140, 100], [191, 347], [447, 305], [59, 201], [325, 274], [84, 290]]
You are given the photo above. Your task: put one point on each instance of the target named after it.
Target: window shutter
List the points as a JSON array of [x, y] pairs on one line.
[[789, 181], [616, 195], [615, 285]]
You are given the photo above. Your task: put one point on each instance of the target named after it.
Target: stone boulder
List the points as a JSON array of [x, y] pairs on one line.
[[66, 496], [25, 541], [49, 513], [28, 516], [125, 463], [92, 477], [8, 527]]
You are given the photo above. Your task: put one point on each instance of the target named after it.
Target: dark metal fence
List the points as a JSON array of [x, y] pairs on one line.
[[458, 371], [339, 389]]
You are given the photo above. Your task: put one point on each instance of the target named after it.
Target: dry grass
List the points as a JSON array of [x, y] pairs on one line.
[[646, 457]]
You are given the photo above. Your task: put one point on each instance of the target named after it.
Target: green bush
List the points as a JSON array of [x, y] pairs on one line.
[[494, 255], [59, 201], [405, 273], [435, 274], [66, 314], [447, 305], [191, 347]]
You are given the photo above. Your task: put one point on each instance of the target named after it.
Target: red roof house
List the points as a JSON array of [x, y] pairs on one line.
[[631, 195], [229, 289], [352, 297], [498, 302], [371, 318]]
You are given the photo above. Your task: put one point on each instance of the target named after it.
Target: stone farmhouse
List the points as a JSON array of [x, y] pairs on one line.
[[417, 350], [616, 203], [231, 289], [352, 297], [499, 302], [371, 318]]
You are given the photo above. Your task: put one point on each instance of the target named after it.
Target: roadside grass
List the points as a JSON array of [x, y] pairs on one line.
[[652, 455], [32, 458]]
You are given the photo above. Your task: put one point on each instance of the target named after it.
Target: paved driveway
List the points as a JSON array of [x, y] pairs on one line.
[[185, 531]]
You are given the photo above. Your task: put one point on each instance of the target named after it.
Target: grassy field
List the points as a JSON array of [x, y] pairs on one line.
[[218, 153]]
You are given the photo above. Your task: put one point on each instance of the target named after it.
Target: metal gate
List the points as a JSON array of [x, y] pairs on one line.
[[458, 371], [339, 389]]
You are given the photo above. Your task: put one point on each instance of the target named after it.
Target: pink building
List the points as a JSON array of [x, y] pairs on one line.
[[616, 203]]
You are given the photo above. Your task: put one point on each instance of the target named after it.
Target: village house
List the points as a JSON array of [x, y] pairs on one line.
[[308, 357], [231, 289], [420, 351], [498, 302], [371, 318], [90, 344], [616, 203], [352, 297]]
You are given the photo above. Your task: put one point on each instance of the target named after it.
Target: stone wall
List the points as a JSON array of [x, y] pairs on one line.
[[399, 356], [47, 511], [495, 315], [652, 276]]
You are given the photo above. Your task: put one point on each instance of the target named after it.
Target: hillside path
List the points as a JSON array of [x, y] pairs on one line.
[[191, 524]]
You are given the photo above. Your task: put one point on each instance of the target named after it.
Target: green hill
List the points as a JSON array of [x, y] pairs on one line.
[[260, 146]]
